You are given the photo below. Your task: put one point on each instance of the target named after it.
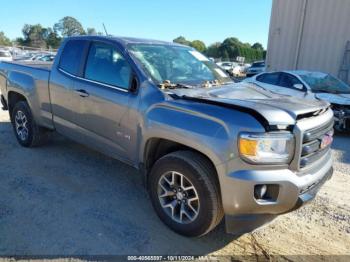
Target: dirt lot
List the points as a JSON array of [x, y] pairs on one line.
[[66, 199]]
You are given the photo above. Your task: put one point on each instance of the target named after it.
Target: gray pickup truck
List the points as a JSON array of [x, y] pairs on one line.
[[207, 147]]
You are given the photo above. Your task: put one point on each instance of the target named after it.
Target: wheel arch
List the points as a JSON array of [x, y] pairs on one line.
[[157, 147], [14, 97]]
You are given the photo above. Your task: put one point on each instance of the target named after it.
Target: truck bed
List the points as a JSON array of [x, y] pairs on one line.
[[28, 79], [34, 64]]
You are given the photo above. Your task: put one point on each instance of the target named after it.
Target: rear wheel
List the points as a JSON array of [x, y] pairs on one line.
[[27, 132], [185, 193]]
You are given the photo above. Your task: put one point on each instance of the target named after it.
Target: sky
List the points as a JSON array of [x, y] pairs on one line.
[[206, 20]]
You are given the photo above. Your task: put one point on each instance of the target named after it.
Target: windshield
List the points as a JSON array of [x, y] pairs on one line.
[[325, 82], [177, 64]]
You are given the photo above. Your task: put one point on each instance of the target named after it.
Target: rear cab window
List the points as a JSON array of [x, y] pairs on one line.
[[72, 56]]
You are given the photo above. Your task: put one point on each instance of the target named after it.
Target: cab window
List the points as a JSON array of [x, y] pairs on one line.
[[71, 57], [107, 65]]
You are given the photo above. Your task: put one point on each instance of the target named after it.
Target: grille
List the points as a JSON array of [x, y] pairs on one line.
[[311, 145]]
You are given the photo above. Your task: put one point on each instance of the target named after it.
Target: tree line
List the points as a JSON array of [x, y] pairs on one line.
[[48, 37], [51, 37], [228, 50]]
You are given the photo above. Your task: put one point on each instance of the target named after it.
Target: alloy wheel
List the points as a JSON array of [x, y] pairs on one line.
[[178, 197]]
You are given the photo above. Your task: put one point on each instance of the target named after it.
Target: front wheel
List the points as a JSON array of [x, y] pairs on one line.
[[27, 132], [185, 193]]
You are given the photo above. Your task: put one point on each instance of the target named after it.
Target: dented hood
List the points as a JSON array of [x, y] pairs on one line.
[[274, 108], [340, 99]]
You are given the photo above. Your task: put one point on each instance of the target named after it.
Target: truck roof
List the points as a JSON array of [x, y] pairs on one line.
[[124, 41]]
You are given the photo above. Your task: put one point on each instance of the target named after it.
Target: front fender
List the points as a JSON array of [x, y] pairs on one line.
[[198, 131]]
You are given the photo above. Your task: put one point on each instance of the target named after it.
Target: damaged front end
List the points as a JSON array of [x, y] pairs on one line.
[[341, 117]]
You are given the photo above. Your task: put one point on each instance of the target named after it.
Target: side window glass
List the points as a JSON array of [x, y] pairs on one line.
[[72, 55], [271, 78], [289, 81], [107, 65], [261, 77]]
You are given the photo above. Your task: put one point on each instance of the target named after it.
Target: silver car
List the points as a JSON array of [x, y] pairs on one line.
[[310, 85], [256, 68]]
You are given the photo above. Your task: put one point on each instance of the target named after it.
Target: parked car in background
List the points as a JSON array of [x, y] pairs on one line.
[[15, 51], [311, 85], [245, 67], [232, 68], [36, 56], [46, 58], [5, 55], [256, 68], [25, 56]]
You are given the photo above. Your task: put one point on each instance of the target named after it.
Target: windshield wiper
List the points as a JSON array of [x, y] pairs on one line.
[[168, 85]]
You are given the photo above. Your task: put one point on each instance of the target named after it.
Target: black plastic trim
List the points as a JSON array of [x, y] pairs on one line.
[[4, 104]]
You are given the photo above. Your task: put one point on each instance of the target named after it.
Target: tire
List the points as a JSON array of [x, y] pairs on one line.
[[198, 172], [22, 119]]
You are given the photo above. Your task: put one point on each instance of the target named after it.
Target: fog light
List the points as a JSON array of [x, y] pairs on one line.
[[260, 191]]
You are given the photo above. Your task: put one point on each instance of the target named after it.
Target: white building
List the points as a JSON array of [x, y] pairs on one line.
[[311, 35]]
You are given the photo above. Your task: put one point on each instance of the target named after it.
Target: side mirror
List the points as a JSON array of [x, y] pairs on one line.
[[134, 84], [298, 86]]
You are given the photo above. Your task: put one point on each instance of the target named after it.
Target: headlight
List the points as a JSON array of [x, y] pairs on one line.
[[266, 148]]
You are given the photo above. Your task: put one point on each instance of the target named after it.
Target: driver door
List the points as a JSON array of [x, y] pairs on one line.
[[106, 109]]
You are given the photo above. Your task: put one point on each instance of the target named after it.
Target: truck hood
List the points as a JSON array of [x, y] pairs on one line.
[[340, 99], [274, 108]]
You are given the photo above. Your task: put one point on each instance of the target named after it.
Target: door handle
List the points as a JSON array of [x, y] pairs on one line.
[[81, 92]]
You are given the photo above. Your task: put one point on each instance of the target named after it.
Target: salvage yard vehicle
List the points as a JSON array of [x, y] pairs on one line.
[[256, 68], [207, 147], [5, 55], [232, 68], [311, 85]]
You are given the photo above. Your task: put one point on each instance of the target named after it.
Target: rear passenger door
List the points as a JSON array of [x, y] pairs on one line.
[[62, 78], [106, 109]]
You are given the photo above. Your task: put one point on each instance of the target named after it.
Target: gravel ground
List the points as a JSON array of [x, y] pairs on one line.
[[65, 199]]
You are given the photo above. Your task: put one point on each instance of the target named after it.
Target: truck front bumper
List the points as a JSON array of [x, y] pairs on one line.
[[244, 211]]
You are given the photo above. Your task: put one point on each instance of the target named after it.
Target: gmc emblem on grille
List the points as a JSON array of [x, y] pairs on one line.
[[326, 140]]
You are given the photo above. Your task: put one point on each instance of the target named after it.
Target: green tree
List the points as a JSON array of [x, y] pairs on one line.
[[91, 31], [229, 48], [213, 50], [225, 55], [182, 40], [53, 40], [4, 40], [199, 45], [69, 26], [33, 35], [258, 46], [39, 37]]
